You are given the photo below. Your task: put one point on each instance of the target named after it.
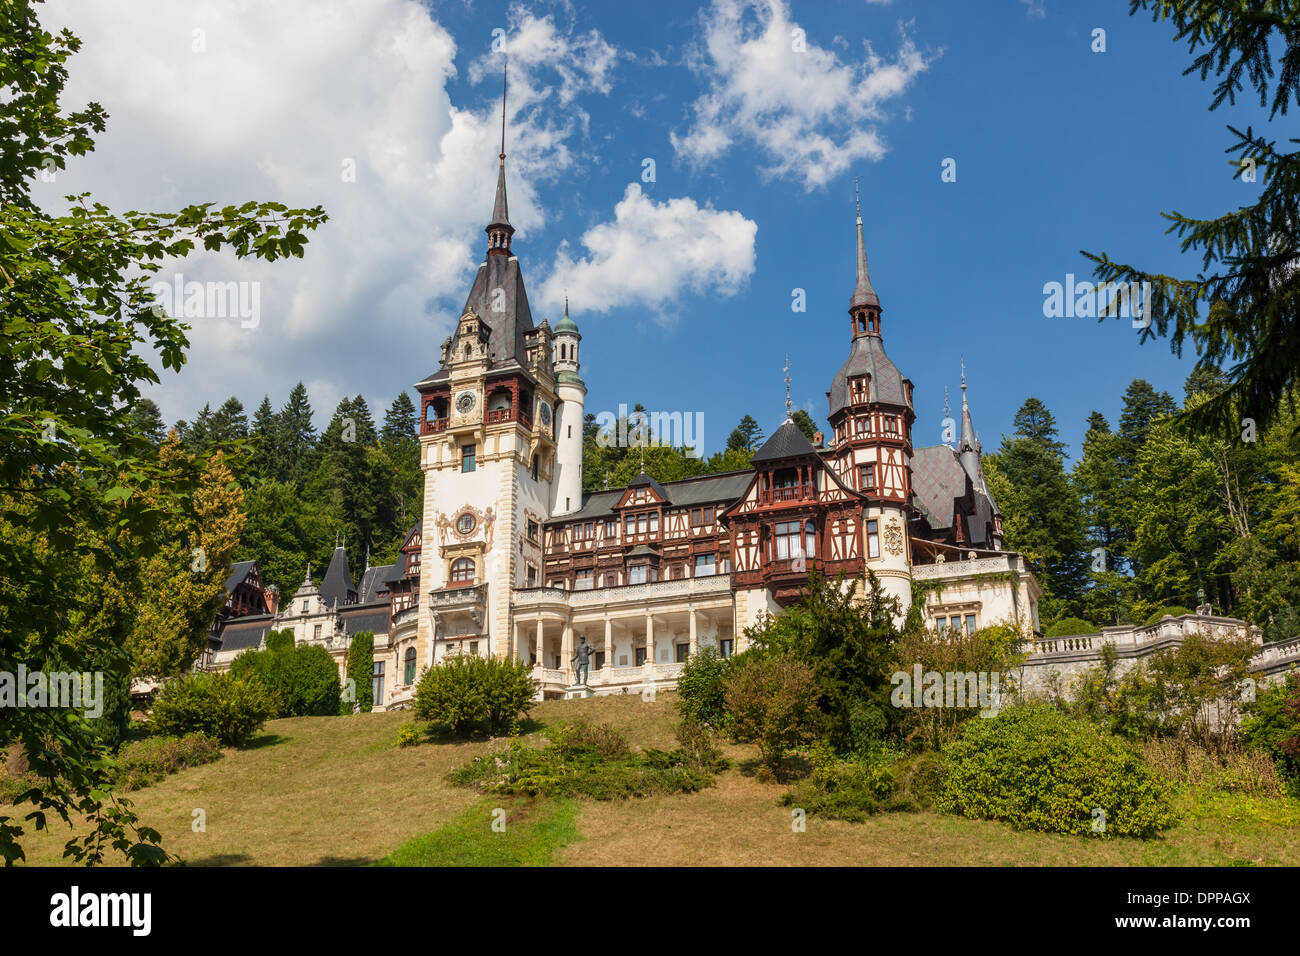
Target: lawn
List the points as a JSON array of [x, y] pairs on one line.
[[337, 791]]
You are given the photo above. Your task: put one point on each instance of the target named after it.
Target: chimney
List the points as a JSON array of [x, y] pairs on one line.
[[271, 594], [818, 439]]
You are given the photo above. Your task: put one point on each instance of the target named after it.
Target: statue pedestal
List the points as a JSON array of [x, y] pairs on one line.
[[578, 692]]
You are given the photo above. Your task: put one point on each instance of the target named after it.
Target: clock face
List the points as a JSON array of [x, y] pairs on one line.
[[465, 402], [546, 414]]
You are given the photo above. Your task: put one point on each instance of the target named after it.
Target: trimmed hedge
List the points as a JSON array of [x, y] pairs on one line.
[[1038, 769]]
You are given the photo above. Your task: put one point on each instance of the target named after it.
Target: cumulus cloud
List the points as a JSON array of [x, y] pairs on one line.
[[651, 252], [769, 84], [229, 100]]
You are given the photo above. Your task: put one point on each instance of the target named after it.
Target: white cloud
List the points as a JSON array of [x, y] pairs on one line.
[[768, 83], [651, 252], [280, 97]]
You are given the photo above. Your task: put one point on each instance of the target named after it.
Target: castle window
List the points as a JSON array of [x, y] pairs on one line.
[[970, 624], [873, 539], [315, 633], [377, 683], [611, 527], [639, 656], [810, 540], [305, 605], [636, 574], [583, 579], [473, 647], [534, 468], [725, 647], [409, 662], [462, 571], [683, 651], [534, 529], [705, 565], [466, 458], [867, 477], [465, 523], [788, 540]]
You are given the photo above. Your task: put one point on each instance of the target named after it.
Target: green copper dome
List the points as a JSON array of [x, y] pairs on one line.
[[566, 324]]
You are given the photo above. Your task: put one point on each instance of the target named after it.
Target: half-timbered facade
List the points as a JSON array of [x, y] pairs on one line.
[[513, 559]]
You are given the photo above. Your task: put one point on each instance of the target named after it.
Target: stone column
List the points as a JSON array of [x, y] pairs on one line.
[[695, 636], [566, 649], [541, 641], [609, 642], [516, 645], [650, 639]]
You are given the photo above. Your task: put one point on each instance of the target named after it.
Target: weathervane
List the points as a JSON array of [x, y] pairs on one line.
[[788, 404], [857, 198]]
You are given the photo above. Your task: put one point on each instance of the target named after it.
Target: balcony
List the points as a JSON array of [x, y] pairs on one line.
[[774, 496], [713, 585]]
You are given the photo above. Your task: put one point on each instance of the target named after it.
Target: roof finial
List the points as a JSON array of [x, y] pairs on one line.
[[566, 303], [947, 412], [857, 199], [963, 381], [504, 75], [788, 405]]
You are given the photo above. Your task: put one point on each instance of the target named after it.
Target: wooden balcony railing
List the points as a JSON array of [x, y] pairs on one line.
[[771, 496]]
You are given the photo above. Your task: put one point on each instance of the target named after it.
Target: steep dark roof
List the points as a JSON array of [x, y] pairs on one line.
[[238, 571], [645, 481], [867, 357], [337, 583], [371, 617], [938, 480], [707, 489], [242, 633], [786, 442], [372, 580]]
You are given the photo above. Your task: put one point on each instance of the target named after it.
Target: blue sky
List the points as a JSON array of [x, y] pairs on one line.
[[1057, 149]]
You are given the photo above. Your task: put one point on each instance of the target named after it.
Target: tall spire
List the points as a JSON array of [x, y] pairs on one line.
[[863, 293], [499, 229], [968, 443], [789, 407]]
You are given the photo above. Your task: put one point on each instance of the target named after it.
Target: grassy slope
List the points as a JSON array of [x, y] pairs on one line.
[[335, 790]]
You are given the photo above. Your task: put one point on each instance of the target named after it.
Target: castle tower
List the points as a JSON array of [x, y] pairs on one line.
[[871, 419], [572, 394], [489, 456]]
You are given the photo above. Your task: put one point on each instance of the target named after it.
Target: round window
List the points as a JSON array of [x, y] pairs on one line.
[[465, 523]]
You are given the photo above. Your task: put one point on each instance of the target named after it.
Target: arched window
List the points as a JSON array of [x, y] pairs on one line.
[[462, 571], [409, 669]]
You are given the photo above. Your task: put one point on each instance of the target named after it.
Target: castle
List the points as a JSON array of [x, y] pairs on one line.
[[512, 559]]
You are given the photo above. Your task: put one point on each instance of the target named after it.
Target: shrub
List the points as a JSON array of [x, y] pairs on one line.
[[698, 743], [772, 700], [315, 683], [300, 681], [993, 650], [408, 735], [1069, 626], [583, 759], [699, 688], [468, 694], [1039, 769], [852, 788], [218, 705], [143, 762], [360, 668], [1175, 610], [1189, 765], [1272, 726], [843, 629]]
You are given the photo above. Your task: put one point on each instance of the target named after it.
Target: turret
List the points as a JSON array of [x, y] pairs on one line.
[[572, 394]]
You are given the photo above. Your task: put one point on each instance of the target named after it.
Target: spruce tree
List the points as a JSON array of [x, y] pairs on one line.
[[1243, 308]]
